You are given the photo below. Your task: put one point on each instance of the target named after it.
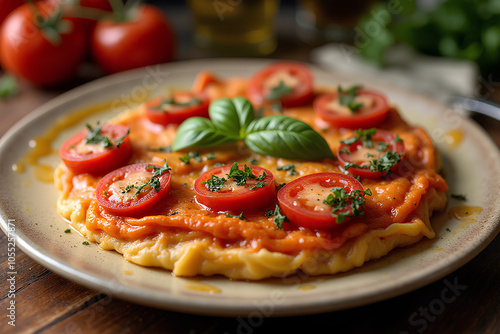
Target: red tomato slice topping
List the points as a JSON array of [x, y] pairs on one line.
[[220, 192], [133, 190], [371, 153], [177, 108], [287, 82], [302, 200], [370, 110], [99, 151]]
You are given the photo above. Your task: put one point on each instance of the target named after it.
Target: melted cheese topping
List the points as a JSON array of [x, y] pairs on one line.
[[178, 98], [281, 76], [231, 185], [82, 149], [313, 196], [366, 101], [364, 154], [118, 191], [196, 241]]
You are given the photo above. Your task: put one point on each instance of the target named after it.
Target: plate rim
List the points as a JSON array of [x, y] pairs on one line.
[[219, 306]]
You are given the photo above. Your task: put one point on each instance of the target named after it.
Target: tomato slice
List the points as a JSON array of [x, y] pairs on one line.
[[178, 108], [203, 80], [372, 112], [385, 154], [126, 192], [295, 76], [81, 157], [257, 193], [301, 200]]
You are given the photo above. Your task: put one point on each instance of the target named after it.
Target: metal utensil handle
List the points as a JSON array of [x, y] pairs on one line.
[[479, 106]]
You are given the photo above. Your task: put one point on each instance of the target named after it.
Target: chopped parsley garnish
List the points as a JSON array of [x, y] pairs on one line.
[[459, 197], [120, 141], [190, 155], [257, 185], [86, 243], [241, 176], [215, 183], [345, 150], [95, 137], [254, 162], [290, 167], [382, 146], [67, 230], [218, 164], [278, 91], [382, 164], [397, 139], [210, 156], [278, 217], [385, 162], [364, 135], [346, 98], [154, 181], [164, 149], [171, 102], [340, 200], [447, 229], [105, 193], [184, 184], [240, 216]]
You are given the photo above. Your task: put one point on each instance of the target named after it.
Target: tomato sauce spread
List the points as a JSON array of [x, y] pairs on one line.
[[403, 196]]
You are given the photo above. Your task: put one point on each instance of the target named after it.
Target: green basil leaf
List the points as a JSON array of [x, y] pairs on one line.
[[200, 132], [285, 137], [232, 116]]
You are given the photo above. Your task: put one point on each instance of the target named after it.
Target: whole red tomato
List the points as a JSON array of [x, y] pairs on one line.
[[7, 6], [26, 52], [145, 39]]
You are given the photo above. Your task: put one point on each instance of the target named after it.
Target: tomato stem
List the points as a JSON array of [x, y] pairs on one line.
[[80, 12], [50, 26], [119, 13]]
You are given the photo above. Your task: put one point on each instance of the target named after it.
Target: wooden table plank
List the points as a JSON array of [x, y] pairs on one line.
[[41, 296]]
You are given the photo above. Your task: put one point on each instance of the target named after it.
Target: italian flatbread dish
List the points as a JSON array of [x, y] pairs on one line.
[[253, 178]]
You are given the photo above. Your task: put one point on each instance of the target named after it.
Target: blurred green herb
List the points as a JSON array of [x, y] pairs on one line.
[[8, 86], [462, 29]]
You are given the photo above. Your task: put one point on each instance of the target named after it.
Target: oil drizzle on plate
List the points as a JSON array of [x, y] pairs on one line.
[[466, 214], [203, 287], [307, 287], [454, 137], [42, 146]]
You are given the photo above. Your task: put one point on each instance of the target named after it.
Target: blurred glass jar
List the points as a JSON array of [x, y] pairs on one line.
[[329, 20], [235, 27]]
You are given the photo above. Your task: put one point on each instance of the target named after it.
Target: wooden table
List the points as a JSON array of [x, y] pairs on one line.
[[48, 303]]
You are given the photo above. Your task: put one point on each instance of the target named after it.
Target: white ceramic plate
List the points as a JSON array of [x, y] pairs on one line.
[[473, 169]]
